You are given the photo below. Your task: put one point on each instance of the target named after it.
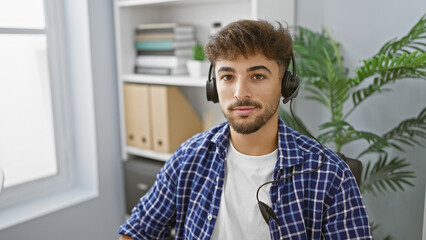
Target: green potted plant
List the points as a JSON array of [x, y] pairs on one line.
[[197, 66], [320, 66]]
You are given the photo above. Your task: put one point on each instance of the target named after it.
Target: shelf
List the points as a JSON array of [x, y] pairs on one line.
[[202, 14], [183, 80], [148, 154], [130, 3]]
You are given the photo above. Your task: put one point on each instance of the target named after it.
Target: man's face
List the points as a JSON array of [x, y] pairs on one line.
[[249, 91]]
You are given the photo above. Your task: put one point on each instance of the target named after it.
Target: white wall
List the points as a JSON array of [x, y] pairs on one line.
[[98, 218], [362, 27]]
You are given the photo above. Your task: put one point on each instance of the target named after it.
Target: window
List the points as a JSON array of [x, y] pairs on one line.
[[47, 140], [27, 142]]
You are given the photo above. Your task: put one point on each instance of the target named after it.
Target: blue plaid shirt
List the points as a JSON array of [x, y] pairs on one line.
[[325, 204]]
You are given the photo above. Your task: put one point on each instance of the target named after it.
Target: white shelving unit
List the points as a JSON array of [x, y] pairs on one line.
[[147, 153], [201, 13], [183, 81]]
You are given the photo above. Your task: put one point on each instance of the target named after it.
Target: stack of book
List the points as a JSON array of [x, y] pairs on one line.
[[164, 48]]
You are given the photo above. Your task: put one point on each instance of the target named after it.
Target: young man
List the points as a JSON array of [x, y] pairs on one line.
[[215, 184]]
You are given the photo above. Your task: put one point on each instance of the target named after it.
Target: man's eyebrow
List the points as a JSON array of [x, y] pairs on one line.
[[254, 68], [226, 69]]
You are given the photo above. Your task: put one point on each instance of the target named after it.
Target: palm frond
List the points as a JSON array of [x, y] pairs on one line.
[[386, 70], [371, 138], [384, 175], [335, 89], [316, 95], [309, 48], [327, 137], [337, 130], [413, 62], [408, 132], [321, 62], [397, 59], [338, 57], [343, 133], [413, 41]]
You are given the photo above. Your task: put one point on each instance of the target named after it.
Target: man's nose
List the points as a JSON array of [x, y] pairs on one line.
[[242, 89]]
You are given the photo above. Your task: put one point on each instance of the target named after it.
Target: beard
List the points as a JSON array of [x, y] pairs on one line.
[[244, 126]]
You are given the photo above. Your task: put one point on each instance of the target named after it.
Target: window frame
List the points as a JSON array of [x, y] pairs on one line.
[[60, 109], [69, 61]]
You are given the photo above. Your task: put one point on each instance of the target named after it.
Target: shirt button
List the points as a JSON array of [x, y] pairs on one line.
[[217, 179], [209, 217]]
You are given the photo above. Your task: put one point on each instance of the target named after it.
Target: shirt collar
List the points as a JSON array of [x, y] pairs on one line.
[[289, 153], [221, 137]]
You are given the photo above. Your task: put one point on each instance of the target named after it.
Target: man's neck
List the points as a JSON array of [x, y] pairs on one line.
[[261, 142]]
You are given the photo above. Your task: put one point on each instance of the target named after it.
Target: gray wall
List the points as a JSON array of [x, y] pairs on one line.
[[100, 217], [362, 27]]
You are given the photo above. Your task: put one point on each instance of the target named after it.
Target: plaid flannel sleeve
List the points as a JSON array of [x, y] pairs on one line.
[[346, 217], [154, 215]]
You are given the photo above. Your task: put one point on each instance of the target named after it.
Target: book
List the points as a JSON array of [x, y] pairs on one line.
[[165, 28], [164, 44], [163, 25], [161, 70], [179, 52], [161, 61], [163, 36]]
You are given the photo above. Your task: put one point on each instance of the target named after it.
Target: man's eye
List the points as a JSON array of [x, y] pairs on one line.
[[226, 77], [258, 76]]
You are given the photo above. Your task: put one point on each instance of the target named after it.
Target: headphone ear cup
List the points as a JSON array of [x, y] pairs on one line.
[[284, 83], [211, 90], [290, 86]]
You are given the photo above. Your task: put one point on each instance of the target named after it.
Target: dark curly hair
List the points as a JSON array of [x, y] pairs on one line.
[[248, 38]]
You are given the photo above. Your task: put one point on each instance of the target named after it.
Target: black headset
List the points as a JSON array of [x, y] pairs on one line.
[[289, 85]]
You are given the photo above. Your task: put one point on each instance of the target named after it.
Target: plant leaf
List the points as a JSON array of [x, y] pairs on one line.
[[343, 133], [406, 133], [386, 70], [408, 42], [384, 176]]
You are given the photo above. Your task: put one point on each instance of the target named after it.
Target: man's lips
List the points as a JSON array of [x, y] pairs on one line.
[[244, 110]]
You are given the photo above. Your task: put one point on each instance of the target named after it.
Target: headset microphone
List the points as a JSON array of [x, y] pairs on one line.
[[267, 212]]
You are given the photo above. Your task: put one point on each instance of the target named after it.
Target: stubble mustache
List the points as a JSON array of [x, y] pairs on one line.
[[244, 103]]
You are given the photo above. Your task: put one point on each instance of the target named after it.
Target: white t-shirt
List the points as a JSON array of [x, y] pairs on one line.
[[239, 216]]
